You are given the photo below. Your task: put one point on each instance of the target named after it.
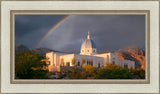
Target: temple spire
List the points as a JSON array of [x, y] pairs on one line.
[[88, 37]]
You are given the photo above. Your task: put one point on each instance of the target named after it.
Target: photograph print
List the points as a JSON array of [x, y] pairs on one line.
[[79, 46]]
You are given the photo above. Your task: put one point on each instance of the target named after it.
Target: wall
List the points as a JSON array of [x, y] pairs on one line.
[[85, 51], [54, 58], [50, 56], [114, 58], [131, 64], [102, 59], [77, 57], [95, 59], [51, 59], [106, 57], [67, 58]]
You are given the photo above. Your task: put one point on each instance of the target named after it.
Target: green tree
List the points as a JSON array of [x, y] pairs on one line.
[[89, 70], [29, 65], [138, 73], [112, 66], [113, 71], [75, 73]]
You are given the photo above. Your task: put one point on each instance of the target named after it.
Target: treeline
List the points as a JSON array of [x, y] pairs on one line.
[[29, 65], [110, 71]]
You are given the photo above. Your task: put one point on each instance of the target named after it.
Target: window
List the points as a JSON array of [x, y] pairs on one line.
[[125, 66], [107, 58], [113, 62], [89, 62], [99, 65], [78, 63], [68, 64]]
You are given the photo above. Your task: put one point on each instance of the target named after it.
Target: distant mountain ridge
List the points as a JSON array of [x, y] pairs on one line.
[[134, 54], [105, 51], [40, 51], [21, 48]]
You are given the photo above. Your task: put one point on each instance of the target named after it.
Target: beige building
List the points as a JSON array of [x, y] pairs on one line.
[[88, 53]]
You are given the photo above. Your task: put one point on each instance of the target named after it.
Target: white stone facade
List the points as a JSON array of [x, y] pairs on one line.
[[88, 52]]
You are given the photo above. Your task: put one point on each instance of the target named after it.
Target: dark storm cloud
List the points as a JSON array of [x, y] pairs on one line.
[[109, 32], [29, 29]]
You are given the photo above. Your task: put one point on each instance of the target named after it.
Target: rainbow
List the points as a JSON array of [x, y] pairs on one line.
[[53, 28]]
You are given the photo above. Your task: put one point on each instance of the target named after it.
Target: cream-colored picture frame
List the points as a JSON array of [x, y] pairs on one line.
[[149, 8], [80, 12]]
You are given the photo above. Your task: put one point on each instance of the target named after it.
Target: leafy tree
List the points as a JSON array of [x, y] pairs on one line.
[[29, 65], [75, 73], [113, 71], [112, 66], [138, 73], [89, 70]]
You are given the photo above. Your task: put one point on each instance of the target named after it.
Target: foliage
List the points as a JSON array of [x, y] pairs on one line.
[[110, 71], [138, 73], [113, 71], [90, 70], [112, 66], [40, 74], [75, 74], [29, 65]]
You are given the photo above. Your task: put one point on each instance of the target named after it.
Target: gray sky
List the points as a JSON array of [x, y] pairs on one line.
[[109, 32]]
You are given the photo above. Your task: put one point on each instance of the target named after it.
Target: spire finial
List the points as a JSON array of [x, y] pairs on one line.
[[88, 37]]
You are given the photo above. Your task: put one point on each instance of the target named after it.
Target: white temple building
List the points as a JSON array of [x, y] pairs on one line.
[[88, 53]]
